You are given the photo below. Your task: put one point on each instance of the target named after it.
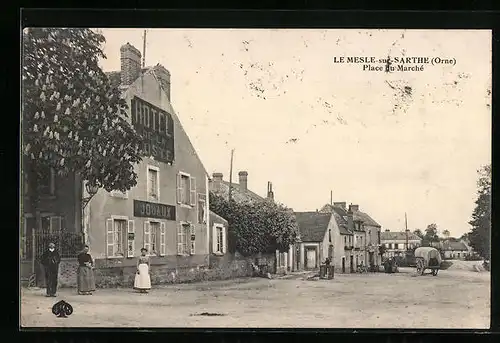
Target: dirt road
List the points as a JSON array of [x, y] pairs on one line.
[[453, 299]]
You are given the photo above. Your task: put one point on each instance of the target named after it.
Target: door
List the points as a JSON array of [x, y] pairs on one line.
[[343, 264], [311, 258], [352, 264], [372, 259]]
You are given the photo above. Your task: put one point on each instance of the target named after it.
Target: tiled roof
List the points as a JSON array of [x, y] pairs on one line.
[[237, 193], [450, 245], [312, 225], [215, 216], [398, 236], [356, 216]]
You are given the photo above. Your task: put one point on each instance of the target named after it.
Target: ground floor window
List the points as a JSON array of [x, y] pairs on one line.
[[120, 237], [186, 239], [154, 238]]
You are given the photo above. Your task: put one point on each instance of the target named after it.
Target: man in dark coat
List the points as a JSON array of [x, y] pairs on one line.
[[50, 262]]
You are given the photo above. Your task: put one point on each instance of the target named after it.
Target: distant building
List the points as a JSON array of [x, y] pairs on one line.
[[365, 233], [456, 250], [396, 243]]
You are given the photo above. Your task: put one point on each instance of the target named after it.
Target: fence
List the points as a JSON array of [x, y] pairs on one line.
[[68, 244]]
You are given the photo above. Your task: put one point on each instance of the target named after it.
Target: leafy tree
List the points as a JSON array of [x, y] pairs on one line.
[[431, 234], [256, 227], [480, 234], [419, 233], [74, 122], [446, 233]]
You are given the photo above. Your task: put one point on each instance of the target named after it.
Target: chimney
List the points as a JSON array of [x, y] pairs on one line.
[[163, 76], [217, 180], [130, 58], [353, 208], [350, 220], [270, 193], [342, 204], [243, 178]]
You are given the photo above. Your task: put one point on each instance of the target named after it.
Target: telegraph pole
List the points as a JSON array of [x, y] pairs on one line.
[[231, 176], [406, 231]]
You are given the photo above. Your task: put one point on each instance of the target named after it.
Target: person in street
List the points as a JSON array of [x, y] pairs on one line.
[[50, 261], [142, 281], [85, 273]]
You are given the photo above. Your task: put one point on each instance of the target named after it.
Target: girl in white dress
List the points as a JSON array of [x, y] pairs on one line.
[[142, 281]]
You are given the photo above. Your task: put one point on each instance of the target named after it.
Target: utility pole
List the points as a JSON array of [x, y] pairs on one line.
[[231, 176], [144, 50], [331, 198], [406, 231]]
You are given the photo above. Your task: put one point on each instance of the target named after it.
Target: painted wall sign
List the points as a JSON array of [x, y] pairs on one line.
[[156, 128], [153, 210]]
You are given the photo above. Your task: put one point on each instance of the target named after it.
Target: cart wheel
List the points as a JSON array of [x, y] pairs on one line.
[[434, 272], [419, 267]]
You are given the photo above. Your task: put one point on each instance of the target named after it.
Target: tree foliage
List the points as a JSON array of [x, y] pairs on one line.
[[431, 233], [256, 227], [73, 120], [480, 234], [419, 233]]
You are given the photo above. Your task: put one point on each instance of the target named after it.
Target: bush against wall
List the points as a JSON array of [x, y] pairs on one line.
[[256, 227]]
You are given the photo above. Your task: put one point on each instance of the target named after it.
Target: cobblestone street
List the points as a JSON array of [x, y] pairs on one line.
[[453, 299]]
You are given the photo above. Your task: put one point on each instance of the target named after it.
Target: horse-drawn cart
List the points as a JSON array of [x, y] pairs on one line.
[[427, 258]]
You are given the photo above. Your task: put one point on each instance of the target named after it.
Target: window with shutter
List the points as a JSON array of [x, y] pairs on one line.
[[153, 183], [147, 237], [131, 238], [192, 232], [179, 189], [110, 237], [180, 244], [163, 239], [192, 184]]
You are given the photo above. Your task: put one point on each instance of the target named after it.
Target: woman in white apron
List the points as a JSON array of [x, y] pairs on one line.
[[142, 281]]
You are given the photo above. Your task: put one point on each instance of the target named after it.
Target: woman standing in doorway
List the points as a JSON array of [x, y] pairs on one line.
[[142, 279], [86, 279]]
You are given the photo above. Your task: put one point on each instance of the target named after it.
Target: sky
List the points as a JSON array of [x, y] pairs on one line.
[[404, 141]]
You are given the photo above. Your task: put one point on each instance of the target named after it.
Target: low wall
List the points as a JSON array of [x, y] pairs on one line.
[[171, 269]]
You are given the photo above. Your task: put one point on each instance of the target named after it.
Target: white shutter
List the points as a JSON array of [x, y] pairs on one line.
[[179, 240], [224, 239], [110, 238], [163, 238], [192, 234], [214, 239], [130, 242], [55, 224], [179, 189], [192, 184], [147, 236]]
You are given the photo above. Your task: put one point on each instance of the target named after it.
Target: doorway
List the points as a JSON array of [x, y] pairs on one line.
[[310, 258], [343, 264], [352, 264], [372, 259]]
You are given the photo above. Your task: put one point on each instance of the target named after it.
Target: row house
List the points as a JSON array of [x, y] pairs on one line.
[[396, 243], [167, 211]]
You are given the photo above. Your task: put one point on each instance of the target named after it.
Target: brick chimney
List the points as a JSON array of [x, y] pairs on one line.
[[130, 58], [342, 204], [353, 208], [270, 193], [350, 220], [163, 76], [216, 181], [243, 180]]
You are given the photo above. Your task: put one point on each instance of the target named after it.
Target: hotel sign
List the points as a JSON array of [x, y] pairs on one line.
[[156, 128], [153, 210]]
